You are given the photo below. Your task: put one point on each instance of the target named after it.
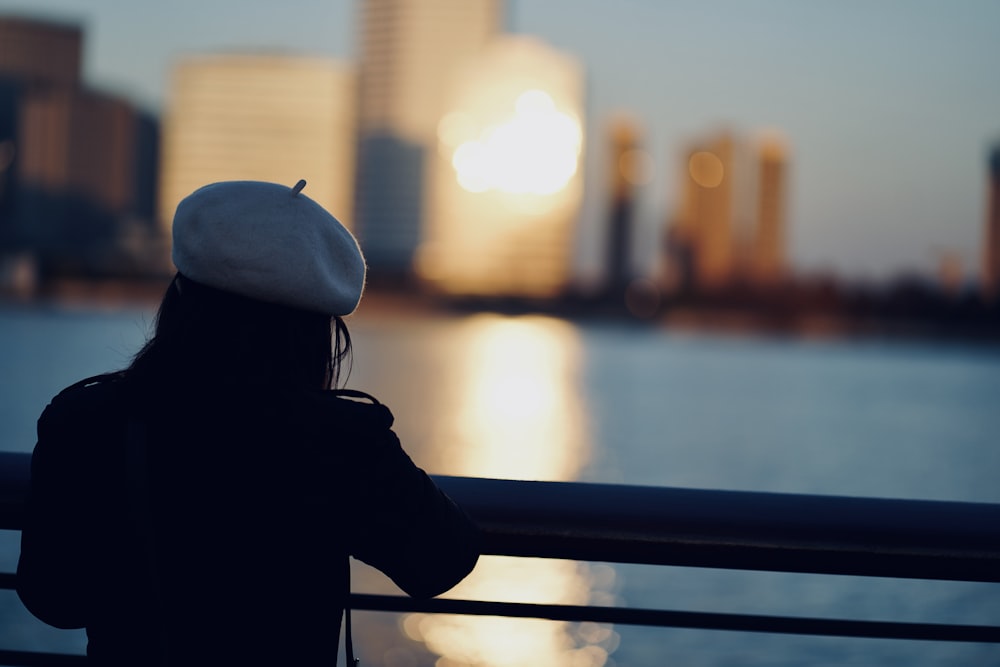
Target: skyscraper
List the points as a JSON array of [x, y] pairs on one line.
[[730, 226], [705, 223], [409, 51], [507, 176], [767, 261], [260, 117], [623, 168], [991, 255]]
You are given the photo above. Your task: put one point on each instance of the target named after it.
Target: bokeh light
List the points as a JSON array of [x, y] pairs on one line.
[[706, 169]]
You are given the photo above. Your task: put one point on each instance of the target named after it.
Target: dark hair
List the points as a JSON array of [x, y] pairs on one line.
[[206, 335]]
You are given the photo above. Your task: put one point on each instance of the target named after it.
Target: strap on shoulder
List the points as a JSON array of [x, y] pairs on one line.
[[92, 380]]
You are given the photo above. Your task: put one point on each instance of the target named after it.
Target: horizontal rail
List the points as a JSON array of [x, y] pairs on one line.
[[685, 619], [914, 539], [795, 625]]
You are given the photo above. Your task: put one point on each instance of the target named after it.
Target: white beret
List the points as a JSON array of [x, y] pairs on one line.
[[268, 242]]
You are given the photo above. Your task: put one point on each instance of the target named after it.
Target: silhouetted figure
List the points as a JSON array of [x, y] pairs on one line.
[[200, 506]]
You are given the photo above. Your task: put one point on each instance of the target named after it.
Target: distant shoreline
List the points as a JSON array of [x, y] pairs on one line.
[[381, 302]]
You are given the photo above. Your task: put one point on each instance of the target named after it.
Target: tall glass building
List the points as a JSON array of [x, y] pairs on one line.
[[991, 255], [263, 117], [409, 51]]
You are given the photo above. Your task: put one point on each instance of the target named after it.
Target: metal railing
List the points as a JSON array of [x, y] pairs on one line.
[[911, 539]]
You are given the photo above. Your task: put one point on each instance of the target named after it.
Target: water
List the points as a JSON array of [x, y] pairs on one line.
[[539, 398]]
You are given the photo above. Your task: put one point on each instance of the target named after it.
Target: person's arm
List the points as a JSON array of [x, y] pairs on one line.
[[405, 526]]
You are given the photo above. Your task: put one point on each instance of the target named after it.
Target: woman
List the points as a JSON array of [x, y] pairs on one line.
[[200, 506]]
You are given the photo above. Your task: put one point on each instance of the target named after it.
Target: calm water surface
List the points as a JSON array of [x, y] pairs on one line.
[[539, 398]]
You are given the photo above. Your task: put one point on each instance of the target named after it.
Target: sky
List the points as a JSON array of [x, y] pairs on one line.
[[889, 106]]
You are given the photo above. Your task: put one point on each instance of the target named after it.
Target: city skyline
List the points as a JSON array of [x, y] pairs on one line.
[[889, 108]]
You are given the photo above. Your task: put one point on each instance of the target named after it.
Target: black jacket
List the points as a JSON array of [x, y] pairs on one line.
[[224, 539]]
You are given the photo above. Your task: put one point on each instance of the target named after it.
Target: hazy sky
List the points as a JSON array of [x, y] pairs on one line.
[[889, 106]]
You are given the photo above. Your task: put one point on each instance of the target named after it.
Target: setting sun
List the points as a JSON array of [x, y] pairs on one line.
[[535, 150], [507, 173]]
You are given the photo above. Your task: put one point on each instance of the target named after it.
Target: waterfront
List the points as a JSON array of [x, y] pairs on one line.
[[541, 398]]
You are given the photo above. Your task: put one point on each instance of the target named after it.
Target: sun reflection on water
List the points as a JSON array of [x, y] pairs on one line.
[[513, 642], [517, 415]]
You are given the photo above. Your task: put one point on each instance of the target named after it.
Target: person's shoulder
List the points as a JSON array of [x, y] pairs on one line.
[[343, 409], [90, 396], [80, 421]]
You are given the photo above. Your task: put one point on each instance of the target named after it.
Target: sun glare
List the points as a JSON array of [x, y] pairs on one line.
[[535, 150]]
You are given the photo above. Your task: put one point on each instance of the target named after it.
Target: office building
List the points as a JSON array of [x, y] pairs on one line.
[[409, 51], [276, 118], [705, 225], [34, 55], [507, 175], [768, 247], [76, 165], [40, 53], [84, 174], [79, 143], [991, 255], [624, 169], [730, 227]]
